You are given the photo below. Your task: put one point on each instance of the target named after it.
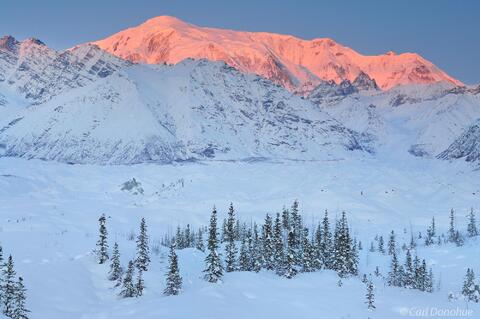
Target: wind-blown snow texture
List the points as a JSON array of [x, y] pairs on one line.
[[294, 63]]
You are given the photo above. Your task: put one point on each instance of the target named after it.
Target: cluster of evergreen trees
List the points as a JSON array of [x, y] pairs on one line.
[[130, 280], [471, 289], [283, 244], [12, 290], [413, 274], [454, 235]]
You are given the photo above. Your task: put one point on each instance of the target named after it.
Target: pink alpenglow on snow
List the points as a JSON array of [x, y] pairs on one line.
[[294, 63]]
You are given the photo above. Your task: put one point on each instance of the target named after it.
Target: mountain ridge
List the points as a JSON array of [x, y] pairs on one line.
[[292, 62]]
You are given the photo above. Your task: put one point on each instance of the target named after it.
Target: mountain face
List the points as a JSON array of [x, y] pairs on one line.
[[296, 64], [467, 146], [419, 120], [161, 113], [32, 71]]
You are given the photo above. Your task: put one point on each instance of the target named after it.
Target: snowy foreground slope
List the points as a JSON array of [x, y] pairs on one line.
[[49, 215]]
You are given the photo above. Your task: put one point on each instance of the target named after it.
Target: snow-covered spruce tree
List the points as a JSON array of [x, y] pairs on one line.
[[179, 240], [381, 245], [451, 230], [290, 270], [143, 251], [296, 224], [326, 248], [267, 244], [116, 270], [429, 282], [472, 229], [102, 244], [430, 233], [244, 263], [370, 296], [345, 262], [20, 310], [187, 237], [470, 290], [213, 270], [139, 284], [256, 252], [278, 255], [392, 244], [230, 248], [128, 288], [417, 277], [372, 247], [9, 288], [199, 241], [2, 268], [395, 274], [174, 280], [307, 257], [286, 220], [409, 273]]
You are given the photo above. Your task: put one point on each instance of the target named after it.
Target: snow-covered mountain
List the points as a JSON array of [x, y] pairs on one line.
[[467, 146], [32, 71], [292, 62], [423, 120], [192, 110]]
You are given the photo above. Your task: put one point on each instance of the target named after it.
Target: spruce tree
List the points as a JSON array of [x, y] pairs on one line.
[[102, 245], [392, 243], [2, 268], [116, 270], [326, 248], [256, 252], [20, 311], [472, 225], [199, 244], [139, 284], [278, 255], [267, 241], [230, 248], [470, 289], [187, 237], [451, 230], [430, 233], [290, 270], [409, 273], [307, 254], [213, 271], [174, 280], [394, 275], [370, 296], [143, 251], [345, 256], [244, 263], [9, 288], [429, 282], [128, 287], [381, 247], [286, 219]]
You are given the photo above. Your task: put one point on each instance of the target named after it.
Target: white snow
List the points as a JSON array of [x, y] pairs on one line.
[[49, 215]]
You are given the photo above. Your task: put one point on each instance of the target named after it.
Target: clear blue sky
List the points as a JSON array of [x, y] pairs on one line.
[[447, 32]]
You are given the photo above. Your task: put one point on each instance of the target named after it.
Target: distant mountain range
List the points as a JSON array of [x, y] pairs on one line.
[[264, 96]]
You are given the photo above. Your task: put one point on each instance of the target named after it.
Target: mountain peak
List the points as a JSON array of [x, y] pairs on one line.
[[8, 42], [164, 20], [286, 60]]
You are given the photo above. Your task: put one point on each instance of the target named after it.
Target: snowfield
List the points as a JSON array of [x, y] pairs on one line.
[[49, 215]]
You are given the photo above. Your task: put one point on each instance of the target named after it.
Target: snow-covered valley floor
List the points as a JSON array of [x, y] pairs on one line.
[[49, 212]]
